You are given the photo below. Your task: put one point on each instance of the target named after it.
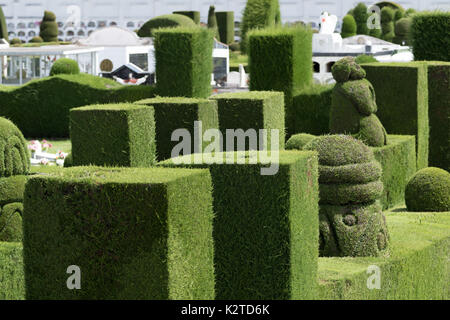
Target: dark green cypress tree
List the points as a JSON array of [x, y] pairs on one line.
[[3, 27], [49, 27]]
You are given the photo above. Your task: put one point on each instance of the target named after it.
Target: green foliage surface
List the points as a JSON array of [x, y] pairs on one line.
[[225, 22], [349, 27], [194, 15], [64, 66], [3, 26], [49, 27], [387, 23], [164, 21]]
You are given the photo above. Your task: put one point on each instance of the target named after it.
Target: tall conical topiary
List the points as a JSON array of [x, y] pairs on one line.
[[387, 24], [360, 14], [3, 28], [348, 26], [49, 27], [259, 14], [212, 22]]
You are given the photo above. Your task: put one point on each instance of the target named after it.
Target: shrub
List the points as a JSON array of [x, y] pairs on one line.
[[387, 24], [176, 113], [439, 114], [310, 111], [3, 26], [429, 33], [398, 160], [157, 239], [351, 220], [24, 104], [65, 66], [409, 12], [363, 58], [283, 55], [360, 14], [265, 227], [184, 62], [375, 32], [403, 31], [36, 39], [392, 5], [225, 21], [194, 15], [258, 14], [14, 159], [353, 104], [16, 41], [113, 135], [164, 21], [402, 101], [212, 22], [252, 110], [49, 27], [235, 46], [348, 26], [399, 14], [298, 141], [428, 190]]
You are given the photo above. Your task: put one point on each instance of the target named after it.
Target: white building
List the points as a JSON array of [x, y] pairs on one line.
[[23, 15]]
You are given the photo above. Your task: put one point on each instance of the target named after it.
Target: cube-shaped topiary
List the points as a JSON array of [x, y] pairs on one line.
[[283, 55], [225, 22], [184, 62], [402, 100], [255, 110], [134, 234], [265, 226], [439, 114], [181, 113], [49, 27], [113, 135], [64, 66]]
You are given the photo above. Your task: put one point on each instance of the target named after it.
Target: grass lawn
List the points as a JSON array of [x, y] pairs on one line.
[[236, 58], [58, 145]]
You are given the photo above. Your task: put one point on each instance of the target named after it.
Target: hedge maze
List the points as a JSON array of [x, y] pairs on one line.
[[235, 214]]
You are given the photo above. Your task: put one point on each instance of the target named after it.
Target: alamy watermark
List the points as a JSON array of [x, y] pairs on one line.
[[374, 20], [374, 280], [213, 152], [74, 281]]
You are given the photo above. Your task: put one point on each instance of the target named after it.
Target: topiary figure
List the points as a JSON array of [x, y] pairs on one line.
[[3, 27], [212, 22], [165, 21], [403, 31], [354, 105], [65, 66], [15, 41], [49, 27], [36, 39], [348, 27], [399, 13], [360, 14], [375, 32], [387, 24], [428, 190], [298, 141], [14, 166], [351, 220]]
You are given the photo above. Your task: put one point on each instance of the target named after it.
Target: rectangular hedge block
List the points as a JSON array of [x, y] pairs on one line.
[[416, 269], [178, 113], [113, 135], [183, 62], [252, 110], [266, 227], [12, 284], [398, 160], [280, 59], [225, 22], [310, 111], [402, 98], [134, 234], [439, 114]]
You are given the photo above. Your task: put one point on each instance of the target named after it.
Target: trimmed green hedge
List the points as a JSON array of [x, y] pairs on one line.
[[113, 135], [252, 110], [398, 160], [298, 141], [417, 267], [41, 107], [194, 15], [310, 111], [266, 228], [154, 243], [165, 21], [14, 154], [280, 59], [225, 22], [64, 66], [49, 27], [402, 99], [184, 62], [439, 114], [179, 113], [429, 32], [12, 283], [348, 26], [387, 23], [3, 26]]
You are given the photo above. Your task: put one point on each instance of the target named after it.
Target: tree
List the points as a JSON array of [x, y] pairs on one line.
[[3, 28], [212, 22], [49, 27], [360, 14], [348, 26]]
